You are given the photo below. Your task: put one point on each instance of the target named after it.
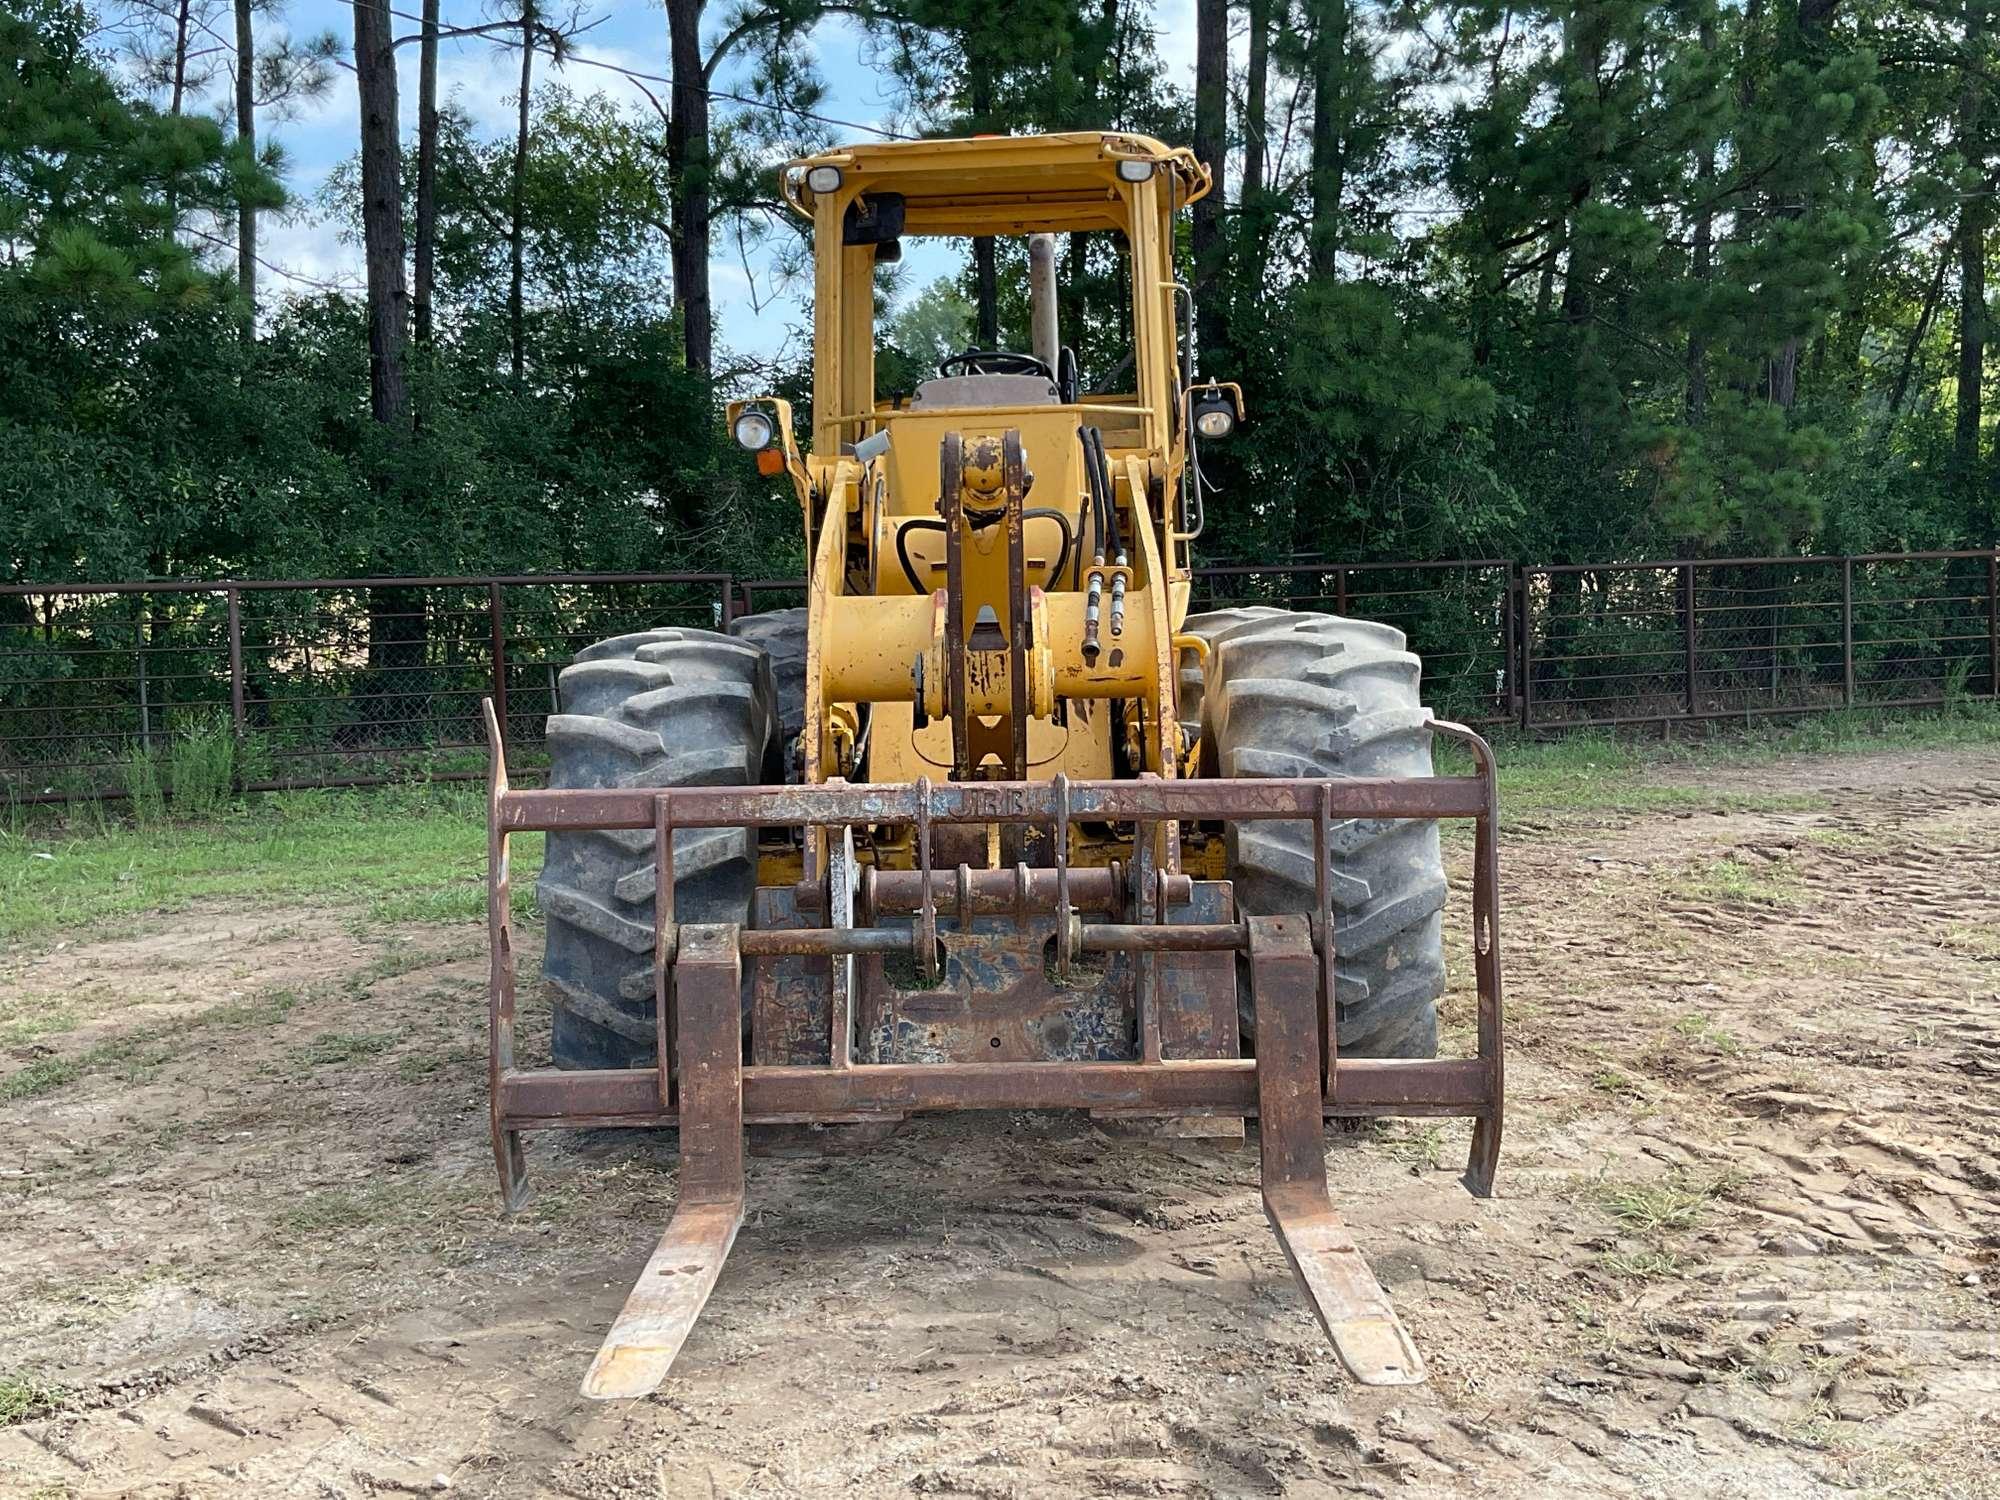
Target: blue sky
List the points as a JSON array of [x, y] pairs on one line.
[[481, 78]]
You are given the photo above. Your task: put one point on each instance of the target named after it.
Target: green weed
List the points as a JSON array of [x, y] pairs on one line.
[[203, 766], [145, 793], [27, 1014], [344, 1046], [1421, 1146], [1664, 1204], [23, 1398], [1697, 1027], [39, 1077], [1736, 882], [1645, 1264]]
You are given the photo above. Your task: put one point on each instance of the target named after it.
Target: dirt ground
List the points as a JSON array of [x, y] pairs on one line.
[[1747, 1239]]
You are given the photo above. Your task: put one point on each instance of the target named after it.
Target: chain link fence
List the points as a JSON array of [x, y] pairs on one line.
[[325, 682]]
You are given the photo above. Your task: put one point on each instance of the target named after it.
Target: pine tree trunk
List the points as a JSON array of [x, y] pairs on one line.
[[1972, 220], [1256, 100], [246, 136], [1329, 52], [688, 161], [1703, 263], [177, 96], [382, 213], [517, 230], [1211, 147], [427, 154]]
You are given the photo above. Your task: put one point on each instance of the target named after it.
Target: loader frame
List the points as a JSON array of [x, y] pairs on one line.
[[702, 1085]]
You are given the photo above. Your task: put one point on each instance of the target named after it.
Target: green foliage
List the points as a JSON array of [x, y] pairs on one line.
[[1612, 278], [145, 792], [203, 765]]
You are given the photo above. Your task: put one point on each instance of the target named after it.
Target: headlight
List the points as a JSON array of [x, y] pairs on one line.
[[755, 429], [1133, 170], [823, 179], [1215, 421]]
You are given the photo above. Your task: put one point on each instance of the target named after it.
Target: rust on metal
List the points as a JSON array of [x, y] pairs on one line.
[[998, 802], [673, 1288], [864, 1009], [1350, 1304], [549, 1098], [1015, 480], [995, 892]]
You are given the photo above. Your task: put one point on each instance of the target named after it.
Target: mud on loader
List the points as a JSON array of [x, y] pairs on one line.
[[993, 823]]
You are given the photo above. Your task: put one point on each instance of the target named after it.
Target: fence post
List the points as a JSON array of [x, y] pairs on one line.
[[496, 615], [729, 601], [1340, 591], [1508, 584], [1847, 631], [1687, 607], [236, 716], [1993, 624], [139, 661], [1527, 650]]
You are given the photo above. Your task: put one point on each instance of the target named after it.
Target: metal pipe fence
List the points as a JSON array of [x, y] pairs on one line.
[[331, 681]]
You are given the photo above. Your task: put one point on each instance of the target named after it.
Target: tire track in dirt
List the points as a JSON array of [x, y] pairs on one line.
[[1022, 1306]]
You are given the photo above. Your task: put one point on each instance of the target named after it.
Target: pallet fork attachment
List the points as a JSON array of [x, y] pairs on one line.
[[701, 1083]]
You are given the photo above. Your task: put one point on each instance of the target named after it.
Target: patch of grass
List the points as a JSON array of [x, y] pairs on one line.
[[1664, 1204], [39, 1077], [1735, 882], [266, 1009], [344, 1046], [23, 1398], [1596, 773], [202, 766], [414, 853], [1973, 939], [1649, 1263], [1611, 1081], [1697, 1027], [337, 1209], [1421, 1147], [410, 1206], [145, 793], [28, 1014], [1841, 839]]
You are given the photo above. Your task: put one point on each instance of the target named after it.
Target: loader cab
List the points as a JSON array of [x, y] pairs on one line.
[[866, 201]]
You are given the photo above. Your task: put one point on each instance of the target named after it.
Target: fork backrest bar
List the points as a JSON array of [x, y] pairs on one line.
[[838, 803]]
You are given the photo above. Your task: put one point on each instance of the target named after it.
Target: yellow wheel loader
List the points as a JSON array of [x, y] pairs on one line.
[[993, 822]]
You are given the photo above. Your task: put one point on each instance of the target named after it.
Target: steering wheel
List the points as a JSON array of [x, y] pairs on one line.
[[993, 362]]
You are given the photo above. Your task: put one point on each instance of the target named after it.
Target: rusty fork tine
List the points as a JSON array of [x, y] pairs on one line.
[[671, 1292], [1367, 1336]]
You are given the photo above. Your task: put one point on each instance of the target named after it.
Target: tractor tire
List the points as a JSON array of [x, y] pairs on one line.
[[1294, 694], [657, 708], [1190, 671], [782, 634]]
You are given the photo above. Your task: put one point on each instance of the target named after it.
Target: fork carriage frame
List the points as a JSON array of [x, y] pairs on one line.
[[1296, 1079]]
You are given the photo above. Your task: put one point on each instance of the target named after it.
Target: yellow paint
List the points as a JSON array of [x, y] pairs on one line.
[[871, 622]]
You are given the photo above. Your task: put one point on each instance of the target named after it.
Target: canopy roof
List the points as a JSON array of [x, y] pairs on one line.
[[1005, 184]]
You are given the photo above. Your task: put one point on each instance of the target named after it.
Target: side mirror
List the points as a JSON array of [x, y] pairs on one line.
[[1215, 410]]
